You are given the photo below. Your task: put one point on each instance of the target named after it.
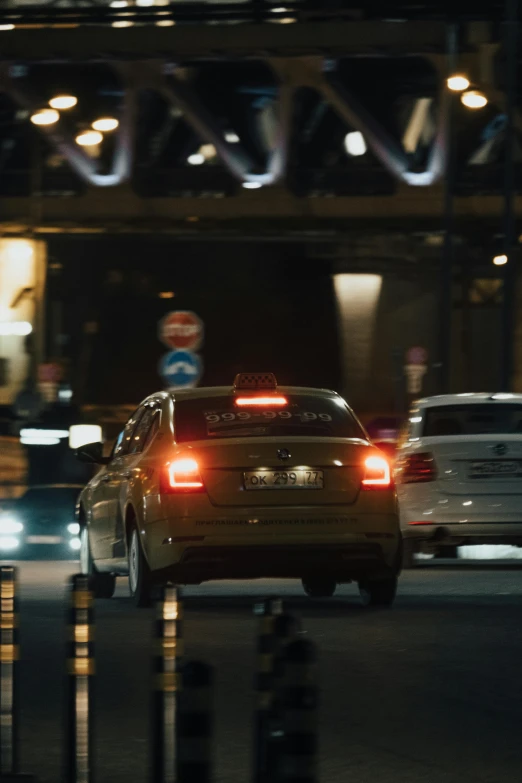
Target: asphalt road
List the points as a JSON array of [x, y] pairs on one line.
[[429, 691]]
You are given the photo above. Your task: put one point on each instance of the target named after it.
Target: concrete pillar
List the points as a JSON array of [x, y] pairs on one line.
[[357, 297]]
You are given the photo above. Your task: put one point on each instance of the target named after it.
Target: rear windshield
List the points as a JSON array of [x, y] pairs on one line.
[[495, 419], [218, 417]]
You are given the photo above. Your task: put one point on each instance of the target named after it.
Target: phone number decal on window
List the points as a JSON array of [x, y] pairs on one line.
[[214, 418]]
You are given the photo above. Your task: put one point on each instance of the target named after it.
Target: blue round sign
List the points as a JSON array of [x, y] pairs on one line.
[[181, 369]]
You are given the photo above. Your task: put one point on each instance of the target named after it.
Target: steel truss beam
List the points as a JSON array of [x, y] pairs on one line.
[[290, 74]]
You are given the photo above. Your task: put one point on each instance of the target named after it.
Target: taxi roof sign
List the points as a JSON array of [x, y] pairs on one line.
[[255, 381]]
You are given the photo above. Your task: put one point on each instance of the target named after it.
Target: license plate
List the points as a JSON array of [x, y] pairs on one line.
[[495, 468], [44, 539], [284, 479]]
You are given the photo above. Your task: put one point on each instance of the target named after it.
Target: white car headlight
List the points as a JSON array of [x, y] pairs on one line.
[[10, 525], [73, 528], [8, 542], [75, 544]]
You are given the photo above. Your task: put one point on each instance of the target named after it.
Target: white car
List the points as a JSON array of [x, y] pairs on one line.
[[459, 473]]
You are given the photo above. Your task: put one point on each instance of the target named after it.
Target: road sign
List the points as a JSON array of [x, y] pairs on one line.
[[181, 369], [416, 355], [181, 329]]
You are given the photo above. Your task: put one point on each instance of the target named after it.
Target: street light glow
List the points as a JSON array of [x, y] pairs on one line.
[[105, 124], [458, 82], [45, 117], [473, 99], [500, 260], [197, 159], [63, 101]]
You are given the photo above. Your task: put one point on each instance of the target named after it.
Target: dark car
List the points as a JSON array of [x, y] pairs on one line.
[[41, 523]]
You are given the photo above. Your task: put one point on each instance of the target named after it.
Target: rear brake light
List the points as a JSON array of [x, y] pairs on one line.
[[182, 475], [265, 402], [377, 473], [416, 468]]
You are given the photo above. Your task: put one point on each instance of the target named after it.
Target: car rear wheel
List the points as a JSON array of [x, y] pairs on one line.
[[102, 585], [378, 592], [319, 588], [139, 573]]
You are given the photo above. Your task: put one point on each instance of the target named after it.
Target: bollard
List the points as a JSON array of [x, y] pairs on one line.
[[299, 714], [195, 724], [267, 611], [168, 642], [9, 654], [286, 628], [80, 682]]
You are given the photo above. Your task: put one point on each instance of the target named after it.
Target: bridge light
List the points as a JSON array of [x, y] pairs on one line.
[[45, 117], [63, 101], [89, 138], [105, 124], [458, 82], [355, 144], [473, 99]]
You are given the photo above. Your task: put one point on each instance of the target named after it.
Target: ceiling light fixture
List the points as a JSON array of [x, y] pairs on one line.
[[89, 138], [105, 124], [458, 82], [63, 102], [45, 117], [473, 99]]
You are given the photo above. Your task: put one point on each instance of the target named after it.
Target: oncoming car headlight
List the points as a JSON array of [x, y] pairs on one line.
[[10, 525], [73, 529]]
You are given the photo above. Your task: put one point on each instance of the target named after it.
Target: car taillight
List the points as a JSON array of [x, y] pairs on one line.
[[182, 475], [416, 468], [377, 473]]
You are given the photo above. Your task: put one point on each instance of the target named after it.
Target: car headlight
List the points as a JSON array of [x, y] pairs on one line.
[[8, 543], [75, 544], [73, 528], [10, 525]]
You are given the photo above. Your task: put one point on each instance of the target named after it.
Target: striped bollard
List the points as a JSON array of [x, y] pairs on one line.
[[267, 611], [168, 649], [299, 714], [80, 683], [195, 724]]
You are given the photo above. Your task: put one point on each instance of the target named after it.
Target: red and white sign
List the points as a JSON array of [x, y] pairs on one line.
[[416, 355], [182, 330]]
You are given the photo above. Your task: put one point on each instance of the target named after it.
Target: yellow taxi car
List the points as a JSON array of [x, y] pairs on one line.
[[242, 482]]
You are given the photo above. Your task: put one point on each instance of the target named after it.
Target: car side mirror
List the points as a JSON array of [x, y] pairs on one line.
[[92, 453]]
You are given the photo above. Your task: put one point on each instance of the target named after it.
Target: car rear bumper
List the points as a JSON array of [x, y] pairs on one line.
[[447, 531], [341, 562]]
